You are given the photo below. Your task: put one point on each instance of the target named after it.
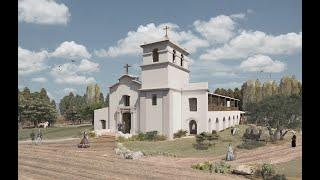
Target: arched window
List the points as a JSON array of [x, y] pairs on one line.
[[193, 104], [229, 118], [209, 119], [174, 56], [126, 100], [233, 117], [217, 120], [224, 119], [181, 62], [155, 55]]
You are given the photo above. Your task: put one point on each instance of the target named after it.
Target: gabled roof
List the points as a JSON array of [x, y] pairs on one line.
[[132, 77]]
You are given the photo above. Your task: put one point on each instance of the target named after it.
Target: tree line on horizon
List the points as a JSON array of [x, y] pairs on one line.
[[253, 91]]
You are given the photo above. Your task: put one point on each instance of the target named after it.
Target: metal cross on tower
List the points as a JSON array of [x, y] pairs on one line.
[[166, 28], [127, 68]]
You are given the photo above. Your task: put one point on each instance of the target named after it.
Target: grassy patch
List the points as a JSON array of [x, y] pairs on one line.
[[183, 147], [251, 144], [292, 169], [55, 132]]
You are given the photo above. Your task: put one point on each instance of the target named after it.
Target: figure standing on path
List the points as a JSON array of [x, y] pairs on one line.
[[230, 156], [33, 136], [293, 141], [39, 137]]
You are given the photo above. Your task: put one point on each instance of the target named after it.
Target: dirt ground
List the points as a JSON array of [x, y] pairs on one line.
[[63, 160]]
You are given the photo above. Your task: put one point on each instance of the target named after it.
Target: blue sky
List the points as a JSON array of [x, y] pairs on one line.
[[64, 45]]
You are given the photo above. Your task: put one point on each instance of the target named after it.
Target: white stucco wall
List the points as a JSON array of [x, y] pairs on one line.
[[125, 87], [220, 114], [152, 116], [101, 114], [154, 76], [200, 116]]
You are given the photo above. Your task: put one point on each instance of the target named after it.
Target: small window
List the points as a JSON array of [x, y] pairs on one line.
[[193, 104], [209, 119], [155, 55], [233, 117], [224, 119], [217, 120], [181, 60], [126, 100], [174, 56], [154, 99], [237, 117], [229, 118]]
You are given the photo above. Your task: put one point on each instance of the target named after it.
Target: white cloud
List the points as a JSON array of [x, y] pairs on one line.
[[42, 12], [88, 66], [71, 50], [149, 33], [71, 74], [238, 16], [31, 62], [218, 29], [39, 79], [249, 43], [68, 90], [262, 63]]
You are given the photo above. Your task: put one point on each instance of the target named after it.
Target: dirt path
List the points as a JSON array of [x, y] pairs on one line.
[[63, 160], [272, 153]]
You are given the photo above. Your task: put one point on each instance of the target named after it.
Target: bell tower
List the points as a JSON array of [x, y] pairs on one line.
[[164, 64]]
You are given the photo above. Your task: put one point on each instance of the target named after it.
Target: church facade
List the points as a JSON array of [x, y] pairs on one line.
[[164, 100]]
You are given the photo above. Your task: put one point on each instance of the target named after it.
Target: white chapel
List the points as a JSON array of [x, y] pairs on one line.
[[164, 100]]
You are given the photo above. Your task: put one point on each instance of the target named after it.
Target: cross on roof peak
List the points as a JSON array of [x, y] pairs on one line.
[[127, 68], [166, 28]]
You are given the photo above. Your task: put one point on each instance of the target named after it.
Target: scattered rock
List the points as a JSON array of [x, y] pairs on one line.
[[126, 153], [244, 170]]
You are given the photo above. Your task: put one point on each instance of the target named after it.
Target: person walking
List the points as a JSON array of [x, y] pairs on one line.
[[293, 141], [230, 156]]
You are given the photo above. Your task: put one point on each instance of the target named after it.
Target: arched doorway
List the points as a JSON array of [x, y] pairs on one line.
[[126, 119], [193, 127], [103, 124]]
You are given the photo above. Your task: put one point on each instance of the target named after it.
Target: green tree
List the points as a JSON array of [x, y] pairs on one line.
[[277, 111], [258, 90]]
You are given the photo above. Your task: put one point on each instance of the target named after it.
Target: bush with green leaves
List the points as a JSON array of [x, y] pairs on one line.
[[151, 135], [221, 167], [267, 171], [180, 133], [251, 144], [217, 167], [205, 140]]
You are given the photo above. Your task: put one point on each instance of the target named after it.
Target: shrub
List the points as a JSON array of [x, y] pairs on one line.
[[221, 167], [180, 133], [251, 144], [204, 140], [150, 135], [205, 166], [267, 171]]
